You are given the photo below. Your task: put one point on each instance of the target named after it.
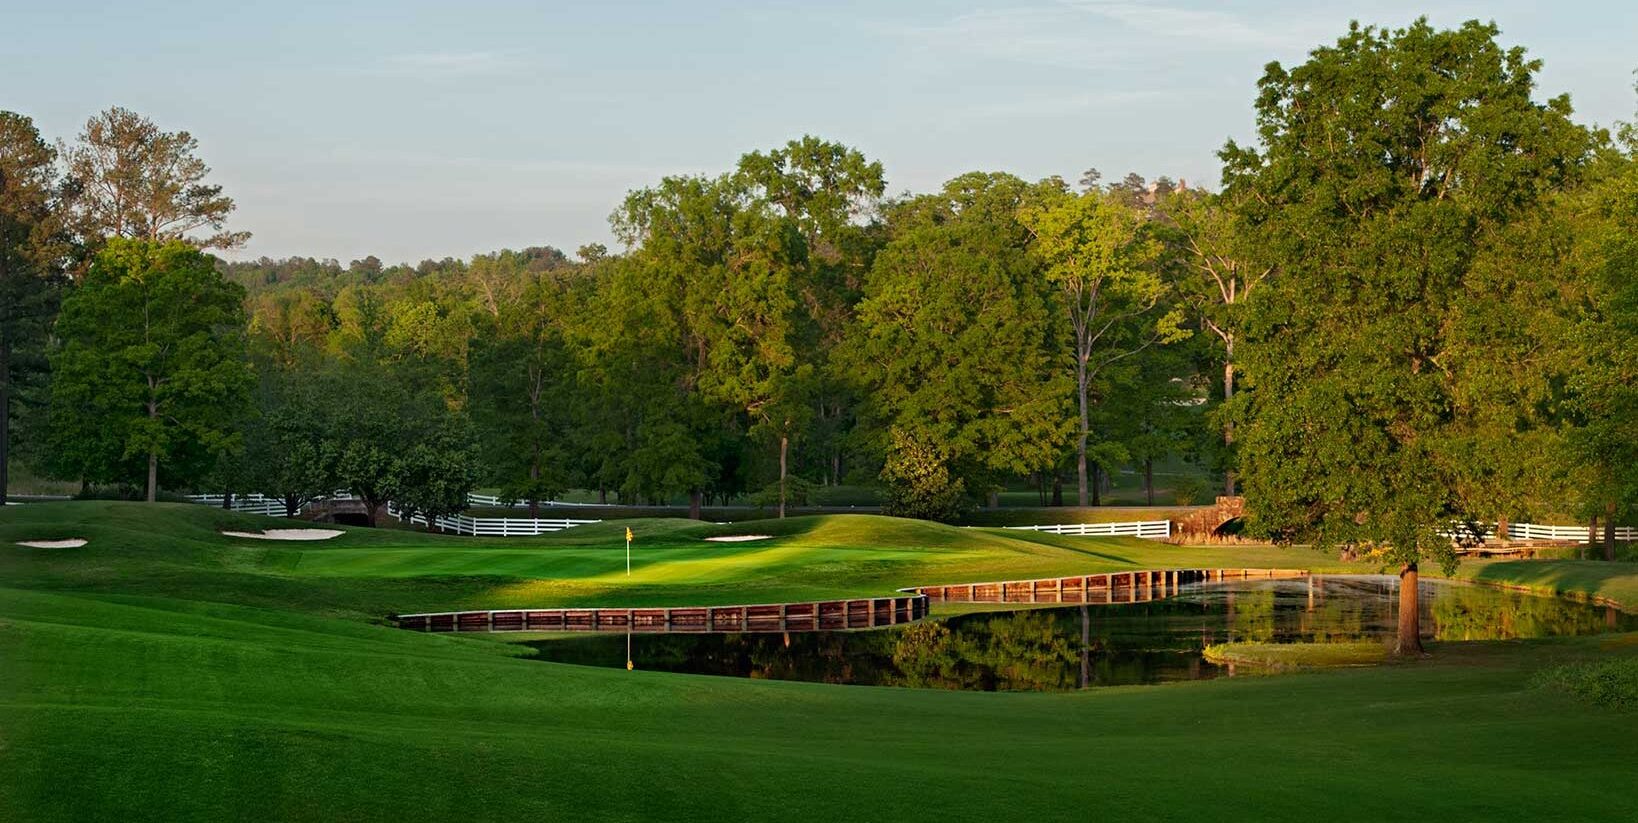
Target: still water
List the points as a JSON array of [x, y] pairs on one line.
[[1057, 649]]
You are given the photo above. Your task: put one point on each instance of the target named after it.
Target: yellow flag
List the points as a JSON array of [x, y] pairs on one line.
[[628, 534]]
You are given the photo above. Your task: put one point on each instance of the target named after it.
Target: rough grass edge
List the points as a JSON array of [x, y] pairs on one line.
[[1610, 683]]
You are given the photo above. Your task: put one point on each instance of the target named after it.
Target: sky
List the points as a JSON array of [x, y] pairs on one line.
[[413, 130]]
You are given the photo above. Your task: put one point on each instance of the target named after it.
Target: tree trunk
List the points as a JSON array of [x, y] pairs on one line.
[[1085, 432], [372, 510], [993, 499], [227, 501], [1609, 531], [290, 507], [1097, 481], [1149, 480], [1410, 628], [534, 481], [1057, 489], [602, 496], [153, 451], [5, 420], [784, 451], [694, 504], [1501, 528], [1228, 425], [1592, 539]]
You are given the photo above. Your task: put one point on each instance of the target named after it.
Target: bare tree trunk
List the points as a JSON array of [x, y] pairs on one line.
[[784, 451], [694, 504], [153, 451], [1609, 531], [290, 507], [1410, 628], [1501, 528], [1592, 539], [1085, 432], [1057, 489], [602, 495], [5, 420], [993, 499], [372, 511], [227, 501], [1149, 480], [1228, 426], [1097, 481], [534, 478]]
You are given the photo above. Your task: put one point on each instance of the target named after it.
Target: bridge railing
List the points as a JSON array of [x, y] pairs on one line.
[[1151, 529]]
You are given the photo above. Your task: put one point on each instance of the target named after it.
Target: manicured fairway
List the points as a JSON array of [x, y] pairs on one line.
[[163, 672]]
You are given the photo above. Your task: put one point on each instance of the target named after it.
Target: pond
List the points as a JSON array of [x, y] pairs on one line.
[[1066, 648]]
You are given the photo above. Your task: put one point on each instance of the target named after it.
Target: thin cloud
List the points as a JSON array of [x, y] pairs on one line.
[[448, 64], [1098, 34]]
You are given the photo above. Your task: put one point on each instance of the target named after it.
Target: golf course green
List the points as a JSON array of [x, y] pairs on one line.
[[164, 671]]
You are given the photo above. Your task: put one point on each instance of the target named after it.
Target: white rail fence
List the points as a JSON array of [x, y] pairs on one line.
[[1153, 529], [494, 502], [1533, 531], [496, 526], [247, 503]]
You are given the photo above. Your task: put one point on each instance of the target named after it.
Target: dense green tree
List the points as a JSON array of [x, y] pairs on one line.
[[1102, 260], [523, 387], [1604, 387], [1385, 161], [32, 250], [152, 364], [830, 193], [434, 475], [290, 445], [138, 181], [954, 347], [1219, 272]]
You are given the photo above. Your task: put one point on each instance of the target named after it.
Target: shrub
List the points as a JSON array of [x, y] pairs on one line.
[[797, 493], [1187, 491], [919, 483]]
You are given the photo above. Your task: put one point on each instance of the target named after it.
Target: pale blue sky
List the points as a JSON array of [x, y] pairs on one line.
[[413, 129]]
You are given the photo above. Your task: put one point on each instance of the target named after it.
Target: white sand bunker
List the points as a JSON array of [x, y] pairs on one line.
[[739, 538], [288, 534], [70, 543]]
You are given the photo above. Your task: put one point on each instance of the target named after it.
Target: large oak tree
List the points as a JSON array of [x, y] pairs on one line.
[[1385, 161]]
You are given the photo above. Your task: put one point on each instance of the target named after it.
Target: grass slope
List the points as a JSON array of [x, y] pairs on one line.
[[165, 672]]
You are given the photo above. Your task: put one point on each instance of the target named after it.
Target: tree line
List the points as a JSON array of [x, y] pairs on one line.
[[1411, 303]]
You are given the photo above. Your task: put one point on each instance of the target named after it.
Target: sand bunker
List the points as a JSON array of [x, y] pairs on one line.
[[288, 534], [739, 538], [71, 543]]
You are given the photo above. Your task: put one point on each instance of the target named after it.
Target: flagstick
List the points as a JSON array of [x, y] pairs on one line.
[[628, 557]]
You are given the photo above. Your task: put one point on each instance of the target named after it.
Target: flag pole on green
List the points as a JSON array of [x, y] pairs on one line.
[[628, 551]]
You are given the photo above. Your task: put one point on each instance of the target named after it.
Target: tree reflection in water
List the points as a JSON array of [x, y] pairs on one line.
[[1055, 649]]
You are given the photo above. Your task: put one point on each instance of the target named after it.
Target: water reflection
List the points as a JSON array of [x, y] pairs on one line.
[[1081, 646]]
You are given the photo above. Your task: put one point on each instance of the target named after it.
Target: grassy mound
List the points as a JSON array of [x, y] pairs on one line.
[[1287, 656]]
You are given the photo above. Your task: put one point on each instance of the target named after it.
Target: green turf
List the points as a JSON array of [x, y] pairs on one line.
[[164, 672]]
